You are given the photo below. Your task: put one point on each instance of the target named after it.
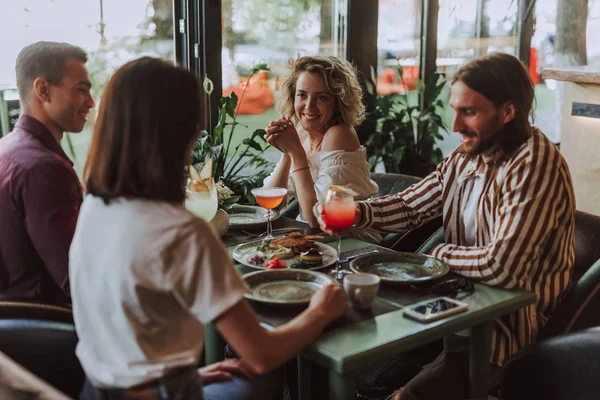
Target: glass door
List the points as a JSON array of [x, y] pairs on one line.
[[111, 31], [275, 33]]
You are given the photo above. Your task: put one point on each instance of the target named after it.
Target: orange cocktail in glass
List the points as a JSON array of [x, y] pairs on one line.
[[269, 198]]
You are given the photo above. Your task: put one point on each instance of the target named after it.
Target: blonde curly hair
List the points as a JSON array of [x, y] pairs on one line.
[[341, 79]]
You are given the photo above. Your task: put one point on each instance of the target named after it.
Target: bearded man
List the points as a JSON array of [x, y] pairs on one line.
[[508, 209]]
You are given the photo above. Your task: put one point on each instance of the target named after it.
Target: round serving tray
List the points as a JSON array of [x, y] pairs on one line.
[[404, 268], [284, 287]]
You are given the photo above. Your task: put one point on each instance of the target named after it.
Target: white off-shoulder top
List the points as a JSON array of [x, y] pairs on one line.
[[342, 168]]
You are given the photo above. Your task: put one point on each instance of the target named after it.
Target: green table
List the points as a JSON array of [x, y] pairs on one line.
[[370, 337]]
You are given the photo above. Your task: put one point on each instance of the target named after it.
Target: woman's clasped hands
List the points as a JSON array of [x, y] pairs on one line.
[[282, 135]]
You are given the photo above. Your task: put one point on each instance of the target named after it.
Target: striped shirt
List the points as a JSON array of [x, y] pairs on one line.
[[524, 227]]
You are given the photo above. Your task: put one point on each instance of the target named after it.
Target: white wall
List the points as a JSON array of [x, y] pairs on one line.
[[580, 145]]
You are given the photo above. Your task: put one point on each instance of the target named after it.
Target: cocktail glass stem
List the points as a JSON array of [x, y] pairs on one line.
[[339, 274], [269, 215]]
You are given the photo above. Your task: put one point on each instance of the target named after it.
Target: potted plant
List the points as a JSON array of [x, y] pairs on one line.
[[229, 159], [406, 135]]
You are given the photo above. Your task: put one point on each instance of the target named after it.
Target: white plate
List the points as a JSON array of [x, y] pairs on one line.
[[249, 217], [284, 287], [244, 252]]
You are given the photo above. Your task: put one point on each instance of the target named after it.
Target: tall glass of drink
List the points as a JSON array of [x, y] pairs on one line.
[[339, 213], [269, 198], [201, 199]]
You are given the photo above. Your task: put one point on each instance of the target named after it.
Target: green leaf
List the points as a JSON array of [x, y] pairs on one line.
[[71, 148], [252, 143], [370, 87], [216, 151], [228, 203], [229, 103], [259, 133], [260, 67], [218, 132], [236, 124], [420, 86], [373, 75], [435, 85]]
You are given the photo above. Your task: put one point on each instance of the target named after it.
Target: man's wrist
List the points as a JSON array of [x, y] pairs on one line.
[[359, 218]]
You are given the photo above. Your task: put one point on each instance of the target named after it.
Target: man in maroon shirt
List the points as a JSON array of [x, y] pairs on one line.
[[40, 193]]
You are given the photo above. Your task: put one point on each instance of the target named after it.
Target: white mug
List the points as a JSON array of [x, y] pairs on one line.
[[361, 289]]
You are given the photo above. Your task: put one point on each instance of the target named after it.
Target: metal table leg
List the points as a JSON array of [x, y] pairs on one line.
[[214, 345], [341, 387], [479, 363], [303, 378]]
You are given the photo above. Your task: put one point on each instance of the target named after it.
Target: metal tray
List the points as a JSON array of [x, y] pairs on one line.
[[407, 268], [284, 287], [249, 217]]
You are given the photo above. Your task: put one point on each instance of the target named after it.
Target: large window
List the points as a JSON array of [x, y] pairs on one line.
[[398, 43], [273, 32], [468, 29], [111, 31], [549, 102]]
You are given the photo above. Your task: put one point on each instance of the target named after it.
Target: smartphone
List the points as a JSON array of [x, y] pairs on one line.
[[434, 309]]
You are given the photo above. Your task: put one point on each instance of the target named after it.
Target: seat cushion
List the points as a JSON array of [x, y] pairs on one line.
[[392, 183], [564, 367], [27, 310], [45, 348]]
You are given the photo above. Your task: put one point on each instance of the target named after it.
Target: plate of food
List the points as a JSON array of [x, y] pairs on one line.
[[295, 250], [284, 287], [249, 217], [397, 267]]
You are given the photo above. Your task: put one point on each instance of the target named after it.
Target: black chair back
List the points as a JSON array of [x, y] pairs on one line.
[[27, 310], [392, 183], [560, 368], [406, 241], [579, 308], [587, 242], [45, 348]]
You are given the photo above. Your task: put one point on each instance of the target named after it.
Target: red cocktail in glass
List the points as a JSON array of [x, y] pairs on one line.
[[338, 214]]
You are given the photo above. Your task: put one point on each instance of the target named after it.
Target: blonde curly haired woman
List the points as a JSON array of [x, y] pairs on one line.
[[321, 103]]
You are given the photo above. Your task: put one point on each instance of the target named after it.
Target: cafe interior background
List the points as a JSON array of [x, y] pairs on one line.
[[395, 44], [225, 39]]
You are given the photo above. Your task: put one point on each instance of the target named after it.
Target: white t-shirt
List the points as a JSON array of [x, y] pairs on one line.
[[469, 213], [145, 276]]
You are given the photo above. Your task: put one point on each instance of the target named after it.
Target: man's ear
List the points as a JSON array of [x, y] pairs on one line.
[[41, 89], [509, 112]]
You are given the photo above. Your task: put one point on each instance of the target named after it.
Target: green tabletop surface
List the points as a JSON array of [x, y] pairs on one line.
[[362, 337]]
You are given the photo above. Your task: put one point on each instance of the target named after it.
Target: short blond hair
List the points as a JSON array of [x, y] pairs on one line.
[[341, 79]]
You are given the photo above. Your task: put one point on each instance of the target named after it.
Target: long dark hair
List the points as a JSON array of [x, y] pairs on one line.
[[149, 114], [501, 77]]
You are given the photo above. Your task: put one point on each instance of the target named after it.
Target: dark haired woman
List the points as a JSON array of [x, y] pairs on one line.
[[146, 274]]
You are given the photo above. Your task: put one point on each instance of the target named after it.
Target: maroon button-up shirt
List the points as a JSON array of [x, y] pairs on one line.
[[40, 196]]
